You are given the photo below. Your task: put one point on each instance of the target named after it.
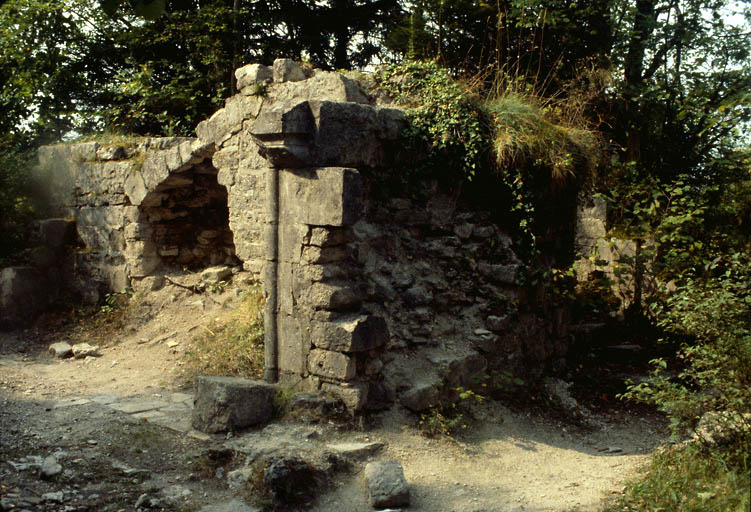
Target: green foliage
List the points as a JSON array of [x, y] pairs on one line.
[[713, 313], [685, 479], [17, 208], [444, 116], [232, 345], [450, 418]]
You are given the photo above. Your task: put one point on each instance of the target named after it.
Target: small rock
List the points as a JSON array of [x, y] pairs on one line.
[[57, 497], [61, 350], [50, 468], [386, 484], [83, 350], [239, 477], [216, 274]]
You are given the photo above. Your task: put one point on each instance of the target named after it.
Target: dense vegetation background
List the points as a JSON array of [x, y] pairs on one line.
[[645, 102]]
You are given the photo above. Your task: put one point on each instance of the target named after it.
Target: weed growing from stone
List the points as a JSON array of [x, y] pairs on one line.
[[448, 419]]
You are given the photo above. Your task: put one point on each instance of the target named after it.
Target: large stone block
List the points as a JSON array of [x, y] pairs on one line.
[[252, 73], [330, 196], [354, 395], [287, 70], [334, 365], [284, 133], [293, 345], [352, 135], [329, 297], [356, 334], [326, 85], [225, 404]]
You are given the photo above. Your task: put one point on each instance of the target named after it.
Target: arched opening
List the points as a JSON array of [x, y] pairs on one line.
[[188, 220]]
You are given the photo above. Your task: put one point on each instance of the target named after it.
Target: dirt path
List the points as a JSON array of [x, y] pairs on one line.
[[78, 409]]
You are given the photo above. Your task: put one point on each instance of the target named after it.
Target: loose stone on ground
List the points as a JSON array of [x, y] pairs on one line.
[[386, 484]]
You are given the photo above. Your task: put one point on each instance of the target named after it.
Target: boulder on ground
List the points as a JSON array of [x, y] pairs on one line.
[[225, 404], [83, 350], [61, 350], [386, 484]]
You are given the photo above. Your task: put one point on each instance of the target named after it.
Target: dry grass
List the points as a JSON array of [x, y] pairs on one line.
[[530, 128], [231, 345], [528, 132]]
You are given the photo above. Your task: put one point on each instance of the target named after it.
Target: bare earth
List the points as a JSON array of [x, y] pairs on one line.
[[506, 461]]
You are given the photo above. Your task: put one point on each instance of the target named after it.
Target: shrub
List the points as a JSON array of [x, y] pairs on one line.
[[712, 315], [682, 478]]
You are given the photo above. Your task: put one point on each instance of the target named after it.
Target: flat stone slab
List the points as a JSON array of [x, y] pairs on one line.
[[386, 484], [138, 405], [150, 415], [70, 402], [104, 399], [356, 450], [230, 506]]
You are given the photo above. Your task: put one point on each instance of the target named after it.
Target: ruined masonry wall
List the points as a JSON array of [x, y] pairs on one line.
[[375, 302]]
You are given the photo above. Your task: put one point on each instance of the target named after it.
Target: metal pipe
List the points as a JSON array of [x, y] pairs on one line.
[[270, 281]]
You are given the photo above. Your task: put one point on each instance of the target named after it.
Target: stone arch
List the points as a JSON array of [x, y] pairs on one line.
[[181, 218]]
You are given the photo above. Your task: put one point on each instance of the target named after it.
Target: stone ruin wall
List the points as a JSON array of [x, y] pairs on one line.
[[373, 301]]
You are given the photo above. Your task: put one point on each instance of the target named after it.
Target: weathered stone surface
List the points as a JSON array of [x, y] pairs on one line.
[[111, 153], [386, 484], [330, 196], [229, 403], [330, 364], [330, 297], [82, 350], [421, 396], [287, 70], [230, 506], [61, 350], [505, 274], [313, 407], [50, 468], [252, 73], [357, 334], [357, 451], [216, 274], [353, 135], [284, 134], [353, 395], [326, 85]]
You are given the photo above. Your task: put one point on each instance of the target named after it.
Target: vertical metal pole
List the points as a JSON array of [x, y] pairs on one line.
[[271, 272]]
